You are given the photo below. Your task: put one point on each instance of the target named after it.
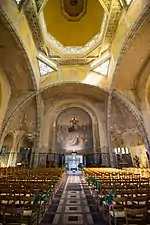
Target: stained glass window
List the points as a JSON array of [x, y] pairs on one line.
[[103, 68], [44, 68]]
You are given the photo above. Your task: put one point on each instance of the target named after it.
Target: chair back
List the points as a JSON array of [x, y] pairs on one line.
[[135, 215]]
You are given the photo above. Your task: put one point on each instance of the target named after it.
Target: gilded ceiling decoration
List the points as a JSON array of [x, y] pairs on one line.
[[57, 27], [73, 10], [30, 11]]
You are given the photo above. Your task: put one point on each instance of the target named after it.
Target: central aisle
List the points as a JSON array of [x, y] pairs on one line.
[[73, 204]]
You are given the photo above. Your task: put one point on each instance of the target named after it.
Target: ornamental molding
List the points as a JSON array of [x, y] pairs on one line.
[[115, 14], [32, 16], [46, 42], [39, 4], [73, 61]]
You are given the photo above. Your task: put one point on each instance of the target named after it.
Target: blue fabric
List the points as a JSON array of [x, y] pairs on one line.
[[36, 199], [109, 197]]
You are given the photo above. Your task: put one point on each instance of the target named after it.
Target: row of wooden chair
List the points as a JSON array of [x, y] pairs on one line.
[[26, 194], [121, 198]]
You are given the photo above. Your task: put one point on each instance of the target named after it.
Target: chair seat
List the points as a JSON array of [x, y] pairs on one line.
[[117, 214], [27, 213], [5, 202], [141, 203]]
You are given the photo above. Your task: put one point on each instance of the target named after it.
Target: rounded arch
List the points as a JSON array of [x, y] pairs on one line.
[[74, 130], [8, 142], [99, 136], [25, 142], [143, 16], [147, 92], [33, 94], [122, 99], [5, 20]]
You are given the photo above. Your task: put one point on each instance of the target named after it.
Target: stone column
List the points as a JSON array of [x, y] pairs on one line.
[[40, 112], [108, 122]]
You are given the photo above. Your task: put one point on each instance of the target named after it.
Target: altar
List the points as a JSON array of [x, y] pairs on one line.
[[74, 163]]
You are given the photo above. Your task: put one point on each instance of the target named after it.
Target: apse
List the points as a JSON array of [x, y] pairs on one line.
[[74, 130]]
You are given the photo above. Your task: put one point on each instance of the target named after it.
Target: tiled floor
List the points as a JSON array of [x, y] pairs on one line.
[[73, 205]]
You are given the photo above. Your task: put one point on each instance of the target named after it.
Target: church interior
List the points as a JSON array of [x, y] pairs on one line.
[[74, 112]]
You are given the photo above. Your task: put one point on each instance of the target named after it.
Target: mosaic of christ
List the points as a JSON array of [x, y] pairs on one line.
[[74, 130]]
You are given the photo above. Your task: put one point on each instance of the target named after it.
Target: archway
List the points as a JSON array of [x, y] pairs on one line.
[[74, 130], [74, 138], [6, 149], [24, 148], [7, 143]]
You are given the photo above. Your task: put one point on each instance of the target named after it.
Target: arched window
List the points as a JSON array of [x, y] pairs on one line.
[[44, 68]]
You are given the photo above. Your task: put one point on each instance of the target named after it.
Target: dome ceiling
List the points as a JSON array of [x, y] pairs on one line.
[[66, 20], [73, 10], [73, 31]]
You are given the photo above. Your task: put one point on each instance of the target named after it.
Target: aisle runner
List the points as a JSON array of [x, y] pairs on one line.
[[73, 204]]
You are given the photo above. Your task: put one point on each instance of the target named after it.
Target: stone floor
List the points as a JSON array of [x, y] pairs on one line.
[[73, 204]]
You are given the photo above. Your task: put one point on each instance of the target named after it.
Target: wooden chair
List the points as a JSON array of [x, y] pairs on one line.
[[12, 215], [116, 211], [135, 216], [30, 213]]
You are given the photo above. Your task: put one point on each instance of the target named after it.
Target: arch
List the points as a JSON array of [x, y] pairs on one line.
[[73, 130], [68, 103], [36, 93], [147, 96], [137, 24], [24, 142], [8, 142], [16, 37], [122, 99], [6, 149], [24, 150]]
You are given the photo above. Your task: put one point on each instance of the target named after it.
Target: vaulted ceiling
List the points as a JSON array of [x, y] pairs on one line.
[[81, 30]]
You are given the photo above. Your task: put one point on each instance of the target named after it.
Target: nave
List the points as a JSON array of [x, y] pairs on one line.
[[73, 204]]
